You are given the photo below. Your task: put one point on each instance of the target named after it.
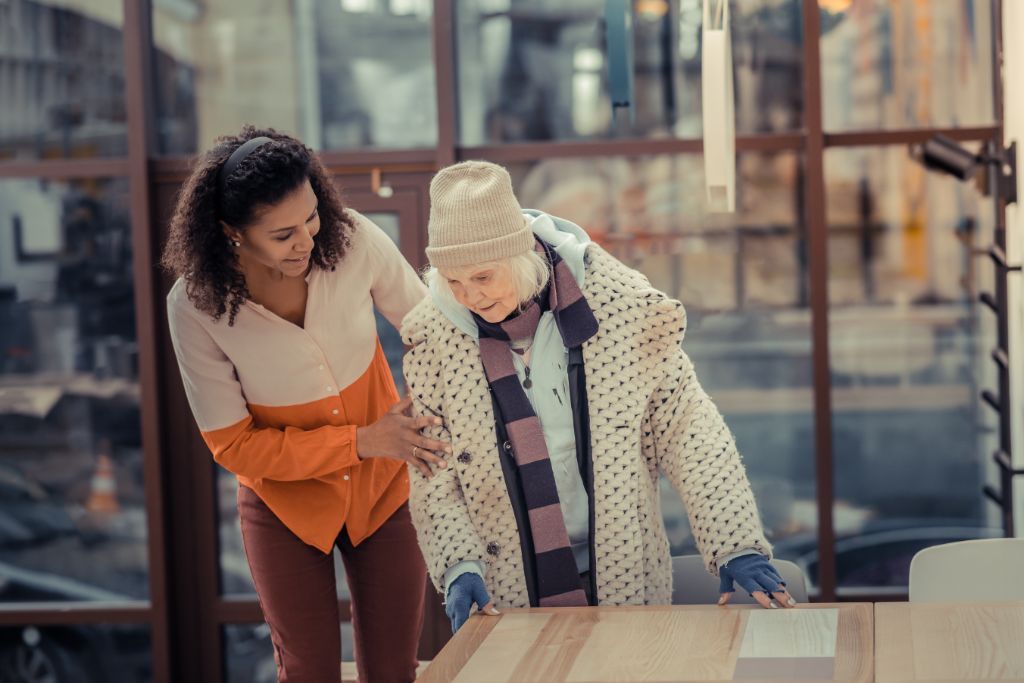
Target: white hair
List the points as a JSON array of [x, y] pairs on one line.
[[530, 273]]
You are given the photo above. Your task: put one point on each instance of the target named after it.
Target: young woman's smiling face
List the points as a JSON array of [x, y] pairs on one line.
[[488, 290], [281, 237]]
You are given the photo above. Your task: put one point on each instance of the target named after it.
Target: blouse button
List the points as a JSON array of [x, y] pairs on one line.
[[345, 477], [327, 388], [321, 367], [334, 412]]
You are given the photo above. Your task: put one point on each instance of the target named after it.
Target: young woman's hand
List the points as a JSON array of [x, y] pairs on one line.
[[397, 435]]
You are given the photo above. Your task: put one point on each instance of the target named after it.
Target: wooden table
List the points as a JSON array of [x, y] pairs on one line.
[[663, 644], [942, 642]]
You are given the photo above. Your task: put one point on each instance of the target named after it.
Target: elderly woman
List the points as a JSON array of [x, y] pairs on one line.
[[564, 391]]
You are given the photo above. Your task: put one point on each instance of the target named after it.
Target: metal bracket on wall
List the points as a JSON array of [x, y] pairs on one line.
[[942, 154], [1001, 170], [1006, 475], [989, 300], [998, 256], [1008, 174]]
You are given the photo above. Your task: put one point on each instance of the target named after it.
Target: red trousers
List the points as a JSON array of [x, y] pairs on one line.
[[296, 589]]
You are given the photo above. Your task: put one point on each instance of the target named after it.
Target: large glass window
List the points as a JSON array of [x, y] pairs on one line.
[[249, 653], [390, 339], [909, 353], [61, 79], [76, 653], [743, 280], [72, 506], [340, 74], [537, 69], [906, 64]]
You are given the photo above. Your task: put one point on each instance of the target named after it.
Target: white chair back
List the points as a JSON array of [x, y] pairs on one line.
[[988, 569]]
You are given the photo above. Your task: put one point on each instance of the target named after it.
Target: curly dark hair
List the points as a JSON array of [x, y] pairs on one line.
[[197, 248]]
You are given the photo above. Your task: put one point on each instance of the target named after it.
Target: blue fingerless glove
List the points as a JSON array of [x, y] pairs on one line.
[[752, 572], [463, 592]]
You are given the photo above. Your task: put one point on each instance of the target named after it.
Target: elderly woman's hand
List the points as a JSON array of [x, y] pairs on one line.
[[465, 591], [756, 575], [396, 435]]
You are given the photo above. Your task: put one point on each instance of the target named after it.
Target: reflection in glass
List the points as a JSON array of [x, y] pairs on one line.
[[536, 69], [76, 653], [904, 64], [72, 507], [390, 339], [340, 75], [249, 652], [743, 280], [61, 79], [909, 354]]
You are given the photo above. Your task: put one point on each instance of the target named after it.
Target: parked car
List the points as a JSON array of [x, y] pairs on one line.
[[28, 515], [877, 558], [100, 653]]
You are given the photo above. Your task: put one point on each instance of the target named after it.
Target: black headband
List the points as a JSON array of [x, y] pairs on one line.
[[237, 157]]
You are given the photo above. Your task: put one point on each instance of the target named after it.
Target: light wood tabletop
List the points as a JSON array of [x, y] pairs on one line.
[[661, 644], [945, 642]]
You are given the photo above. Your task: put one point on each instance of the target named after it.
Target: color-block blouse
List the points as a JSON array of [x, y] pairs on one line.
[[278, 404]]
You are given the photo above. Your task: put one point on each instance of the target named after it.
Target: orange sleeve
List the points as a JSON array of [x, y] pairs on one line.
[[216, 398], [288, 454]]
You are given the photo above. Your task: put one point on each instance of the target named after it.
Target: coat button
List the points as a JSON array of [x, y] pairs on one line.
[[493, 548], [465, 457], [507, 446]]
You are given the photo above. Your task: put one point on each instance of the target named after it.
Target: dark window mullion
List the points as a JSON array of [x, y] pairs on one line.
[[867, 138], [814, 215], [137, 40], [99, 613], [535, 151], [64, 169], [445, 71]]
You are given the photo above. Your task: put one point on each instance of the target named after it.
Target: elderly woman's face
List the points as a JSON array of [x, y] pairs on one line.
[[488, 290]]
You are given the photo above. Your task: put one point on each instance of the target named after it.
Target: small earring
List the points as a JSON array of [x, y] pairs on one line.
[[236, 243]]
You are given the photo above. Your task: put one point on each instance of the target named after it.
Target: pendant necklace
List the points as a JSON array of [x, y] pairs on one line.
[[527, 383]]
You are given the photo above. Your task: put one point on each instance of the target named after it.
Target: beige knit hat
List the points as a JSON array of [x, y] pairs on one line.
[[474, 216]]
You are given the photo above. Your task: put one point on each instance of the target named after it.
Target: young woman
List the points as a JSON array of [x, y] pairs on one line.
[[273, 325], [564, 390]]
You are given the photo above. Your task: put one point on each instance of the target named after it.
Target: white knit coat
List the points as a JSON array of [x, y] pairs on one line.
[[648, 413]]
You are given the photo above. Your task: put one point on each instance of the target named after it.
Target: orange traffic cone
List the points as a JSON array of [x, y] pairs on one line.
[[103, 495]]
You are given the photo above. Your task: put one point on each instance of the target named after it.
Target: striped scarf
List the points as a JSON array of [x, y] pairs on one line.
[[558, 578]]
